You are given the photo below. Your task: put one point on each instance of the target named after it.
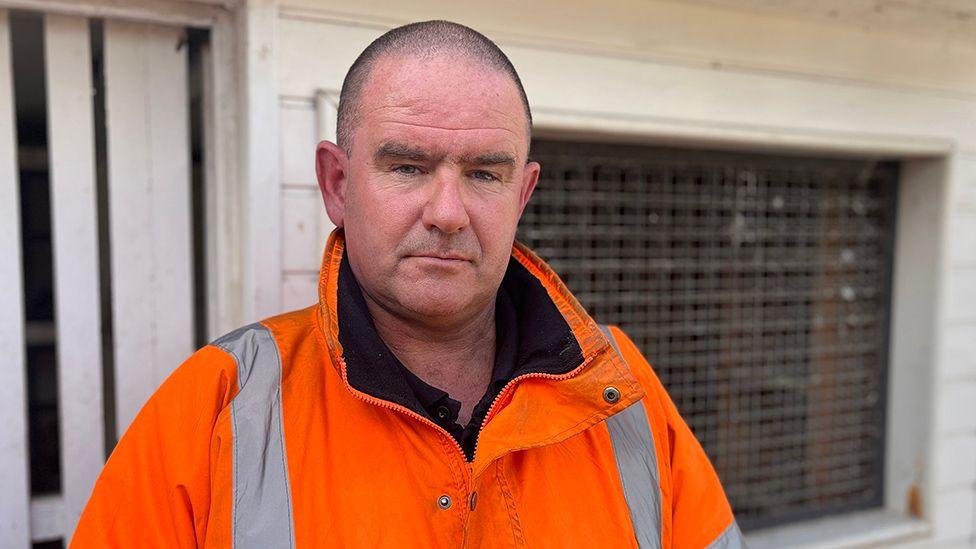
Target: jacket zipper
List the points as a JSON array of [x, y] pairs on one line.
[[505, 390], [408, 412], [491, 409]]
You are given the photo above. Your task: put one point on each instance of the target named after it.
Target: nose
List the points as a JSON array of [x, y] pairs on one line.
[[445, 208]]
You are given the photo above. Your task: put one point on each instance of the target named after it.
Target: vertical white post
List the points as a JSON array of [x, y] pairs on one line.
[[226, 232], [262, 279], [168, 107], [71, 149], [149, 207], [211, 170], [14, 470]]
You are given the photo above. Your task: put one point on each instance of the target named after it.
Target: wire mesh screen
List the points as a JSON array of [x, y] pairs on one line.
[[758, 287]]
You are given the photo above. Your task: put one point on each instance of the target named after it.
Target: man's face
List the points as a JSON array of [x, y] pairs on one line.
[[435, 184]]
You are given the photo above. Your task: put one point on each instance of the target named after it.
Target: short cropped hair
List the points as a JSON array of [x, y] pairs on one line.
[[419, 39]]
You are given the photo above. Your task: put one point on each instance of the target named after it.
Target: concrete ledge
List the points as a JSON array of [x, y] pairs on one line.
[[876, 528]]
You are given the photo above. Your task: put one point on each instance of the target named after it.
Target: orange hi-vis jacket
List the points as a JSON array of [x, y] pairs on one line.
[[265, 439]]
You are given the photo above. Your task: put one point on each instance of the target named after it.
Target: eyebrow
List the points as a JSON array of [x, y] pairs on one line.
[[399, 151], [489, 159], [394, 150]]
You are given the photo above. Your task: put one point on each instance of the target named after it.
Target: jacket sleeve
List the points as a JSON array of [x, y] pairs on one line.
[[699, 514], [154, 491]]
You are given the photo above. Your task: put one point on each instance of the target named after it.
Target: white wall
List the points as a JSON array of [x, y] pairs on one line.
[[713, 73]]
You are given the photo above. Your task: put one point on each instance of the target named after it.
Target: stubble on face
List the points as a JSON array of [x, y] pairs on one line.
[[428, 236]]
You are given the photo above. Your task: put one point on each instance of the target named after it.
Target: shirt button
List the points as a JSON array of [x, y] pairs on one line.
[[443, 412], [444, 502], [474, 500]]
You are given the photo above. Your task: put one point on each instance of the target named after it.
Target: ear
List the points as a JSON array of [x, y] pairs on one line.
[[530, 176], [332, 169]]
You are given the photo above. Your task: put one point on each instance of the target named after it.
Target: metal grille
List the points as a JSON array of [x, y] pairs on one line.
[[758, 287]]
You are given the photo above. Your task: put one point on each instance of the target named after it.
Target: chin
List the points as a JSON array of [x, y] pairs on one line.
[[436, 308], [445, 302]]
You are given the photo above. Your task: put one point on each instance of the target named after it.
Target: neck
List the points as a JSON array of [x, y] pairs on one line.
[[457, 357]]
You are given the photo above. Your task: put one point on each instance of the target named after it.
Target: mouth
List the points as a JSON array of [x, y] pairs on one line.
[[442, 257]]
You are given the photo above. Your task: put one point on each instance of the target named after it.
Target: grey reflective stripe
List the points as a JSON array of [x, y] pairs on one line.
[[262, 515], [633, 448], [731, 538]]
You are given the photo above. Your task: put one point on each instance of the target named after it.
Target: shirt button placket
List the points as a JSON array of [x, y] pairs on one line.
[[443, 413]]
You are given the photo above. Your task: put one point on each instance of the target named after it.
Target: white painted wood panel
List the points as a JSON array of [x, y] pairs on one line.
[[620, 93], [305, 223], [303, 238], [47, 518], [959, 354], [197, 14], [169, 156], [704, 99], [148, 151], [952, 511], [914, 318], [298, 141], [262, 255], [962, 239], [328, 71], [71, 150], [955, 408], [326, 111], [759, 36], [223, 124], [925, 542], [299, 290], [964, 196], [960, 292], [15, 503], [955, 465]]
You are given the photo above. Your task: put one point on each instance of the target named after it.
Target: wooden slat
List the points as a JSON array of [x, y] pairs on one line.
[[71, 150], [225, 226], [326, 110], [302, 239], [149, 204], [170, 157], [298, 140], [47, 518], [262, 244], [15, 501], [213, 177]]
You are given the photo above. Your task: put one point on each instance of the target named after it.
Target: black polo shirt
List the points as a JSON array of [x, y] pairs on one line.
[[530, 336], [443, 409]]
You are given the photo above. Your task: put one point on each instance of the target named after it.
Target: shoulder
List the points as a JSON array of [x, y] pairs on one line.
[[267, 344], [667, 425], [222, 367], [699, 512], [639, 366]]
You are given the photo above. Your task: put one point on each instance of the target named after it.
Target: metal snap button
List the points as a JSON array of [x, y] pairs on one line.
[[444, 502], [474, 500], [611, 394]]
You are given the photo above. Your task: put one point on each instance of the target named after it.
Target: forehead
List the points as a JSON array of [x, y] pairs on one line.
[[449, 96]]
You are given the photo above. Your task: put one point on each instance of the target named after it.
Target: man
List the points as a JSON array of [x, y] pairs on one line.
[[446, 391]]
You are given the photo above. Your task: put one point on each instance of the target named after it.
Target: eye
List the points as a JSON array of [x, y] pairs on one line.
[[484, 176], [406, 169]]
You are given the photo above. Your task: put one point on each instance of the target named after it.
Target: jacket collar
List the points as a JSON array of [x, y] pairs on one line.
[[564, 364]]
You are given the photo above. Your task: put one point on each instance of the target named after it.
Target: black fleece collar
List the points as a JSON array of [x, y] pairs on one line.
[[531, 337]]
